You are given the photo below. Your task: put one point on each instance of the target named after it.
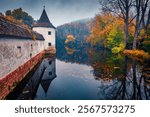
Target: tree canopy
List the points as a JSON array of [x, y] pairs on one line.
[[20, 15], [122, 24]]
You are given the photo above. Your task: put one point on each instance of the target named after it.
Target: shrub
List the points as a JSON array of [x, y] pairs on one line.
[[139, 55]]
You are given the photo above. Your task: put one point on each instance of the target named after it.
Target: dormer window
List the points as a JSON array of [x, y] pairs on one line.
[[49, 32]]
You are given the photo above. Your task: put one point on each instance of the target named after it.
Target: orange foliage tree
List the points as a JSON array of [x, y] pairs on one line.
[[70, 38], [101, 28], [109, 31]]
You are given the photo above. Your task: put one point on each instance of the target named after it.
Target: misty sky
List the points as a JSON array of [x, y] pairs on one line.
[[59, 11]]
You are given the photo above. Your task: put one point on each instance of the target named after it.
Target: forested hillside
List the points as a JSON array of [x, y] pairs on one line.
[[80, 30], [72, 38]]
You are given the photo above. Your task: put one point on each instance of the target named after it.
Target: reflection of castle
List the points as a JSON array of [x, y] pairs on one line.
[[49, 74], [21, 49], [40, 79]]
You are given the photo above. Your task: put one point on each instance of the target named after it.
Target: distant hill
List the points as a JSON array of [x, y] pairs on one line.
[[79, 30], [83, 20]]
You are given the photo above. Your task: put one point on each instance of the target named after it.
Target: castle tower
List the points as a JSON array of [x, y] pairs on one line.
[[46, 28]]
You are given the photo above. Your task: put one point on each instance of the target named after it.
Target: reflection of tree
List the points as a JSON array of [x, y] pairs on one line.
[[106, 65], [69, 50], [146, 77], [138, 83], [133, 85], [120, 77], [72, 55]]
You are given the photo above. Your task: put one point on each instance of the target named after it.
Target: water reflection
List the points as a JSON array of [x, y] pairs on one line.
[[119, 77], [131, 86], [43, 76], [88, 74], [48, 76], [74, 81]]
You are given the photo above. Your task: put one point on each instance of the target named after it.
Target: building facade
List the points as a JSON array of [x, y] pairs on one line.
[[46, 28], [20, 50]]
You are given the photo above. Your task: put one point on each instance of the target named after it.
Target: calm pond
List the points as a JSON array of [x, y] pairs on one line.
[[86, 75]]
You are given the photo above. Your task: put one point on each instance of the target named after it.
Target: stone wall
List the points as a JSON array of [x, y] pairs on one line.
[[18, 44], [9, 82], [15, 52], [20, 50], [17, 58]]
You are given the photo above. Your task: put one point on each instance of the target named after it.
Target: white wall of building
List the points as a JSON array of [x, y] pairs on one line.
[[48, 38], [15, 52]]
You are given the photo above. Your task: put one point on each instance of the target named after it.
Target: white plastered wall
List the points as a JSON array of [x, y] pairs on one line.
[[15, 52], [48, 38]]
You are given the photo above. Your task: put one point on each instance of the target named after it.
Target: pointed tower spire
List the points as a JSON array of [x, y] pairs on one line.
[[44, 20]]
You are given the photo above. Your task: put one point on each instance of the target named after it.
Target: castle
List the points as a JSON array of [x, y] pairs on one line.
[[21, 49], [46, 28]]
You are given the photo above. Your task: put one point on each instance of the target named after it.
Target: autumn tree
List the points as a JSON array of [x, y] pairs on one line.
[[129, 10], [21, 15], [8, 13], [115, 38], [70, 38], [121, 8], [141, 7], [101, 28], [147, 23], [108, 32]]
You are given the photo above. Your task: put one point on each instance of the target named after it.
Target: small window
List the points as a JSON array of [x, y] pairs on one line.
[[31, 47], [19, 49], [49, 33], [49, 44], [30, 55]]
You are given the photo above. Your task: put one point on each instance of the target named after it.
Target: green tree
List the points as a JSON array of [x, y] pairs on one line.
[[19, 14], [8, 13]]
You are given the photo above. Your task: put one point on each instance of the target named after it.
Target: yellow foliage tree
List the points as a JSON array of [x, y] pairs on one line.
[[101, 28], [70, 38], [108, 31]]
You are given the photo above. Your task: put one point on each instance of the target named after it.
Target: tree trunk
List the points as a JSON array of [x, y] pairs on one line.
[[135, 40], [148, 21], [134, 80], [126, 34], [137, 24], [126, 24]]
